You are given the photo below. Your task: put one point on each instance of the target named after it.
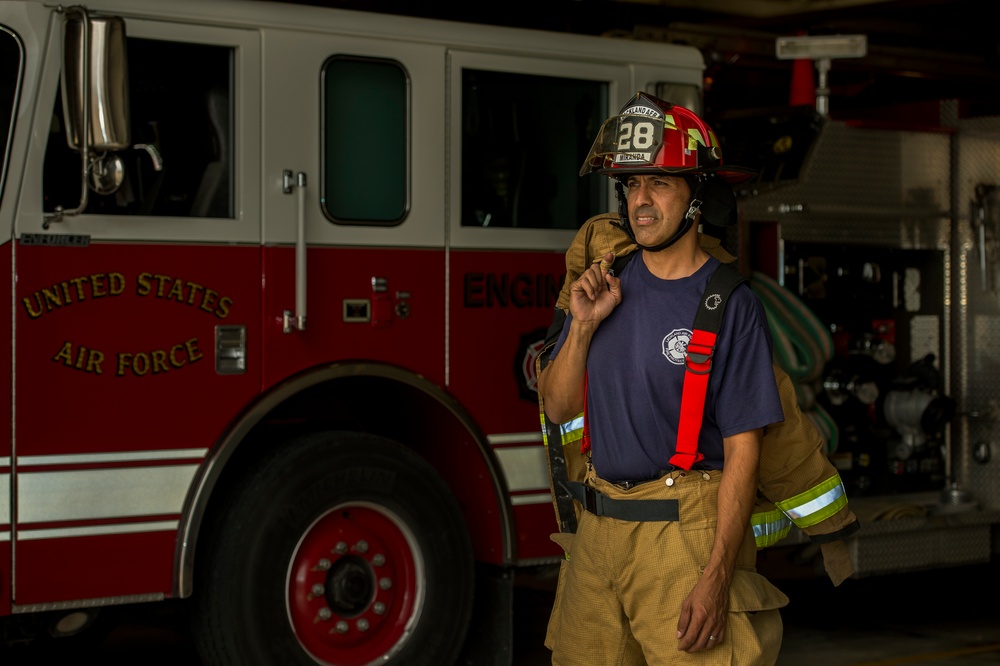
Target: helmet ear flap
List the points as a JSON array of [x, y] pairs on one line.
[[718, 206]]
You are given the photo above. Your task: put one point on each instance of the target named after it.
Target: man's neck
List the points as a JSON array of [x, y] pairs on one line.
[[680, 260]]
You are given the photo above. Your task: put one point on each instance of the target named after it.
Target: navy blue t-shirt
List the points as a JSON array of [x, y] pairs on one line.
[[635, 371]]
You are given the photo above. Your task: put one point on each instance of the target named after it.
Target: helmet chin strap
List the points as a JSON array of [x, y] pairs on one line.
[[683, 228]]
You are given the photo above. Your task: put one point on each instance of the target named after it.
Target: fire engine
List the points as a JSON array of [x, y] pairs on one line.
[[278, 276]]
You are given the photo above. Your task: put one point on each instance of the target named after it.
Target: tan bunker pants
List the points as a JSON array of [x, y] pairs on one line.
[[621, 587]]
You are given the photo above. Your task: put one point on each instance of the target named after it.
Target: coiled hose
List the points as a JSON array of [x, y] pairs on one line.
[[802, 347]]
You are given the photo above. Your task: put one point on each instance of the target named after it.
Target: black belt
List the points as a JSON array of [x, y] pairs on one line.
[[600, 504]]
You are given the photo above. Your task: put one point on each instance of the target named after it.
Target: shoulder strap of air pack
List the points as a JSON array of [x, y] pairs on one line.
[[698, 361]]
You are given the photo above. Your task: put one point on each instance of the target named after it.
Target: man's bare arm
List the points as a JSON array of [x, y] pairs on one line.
[[703, 613], [592, 298]]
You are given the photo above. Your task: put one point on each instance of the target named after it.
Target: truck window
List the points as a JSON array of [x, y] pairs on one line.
[[10, 75], [181, 103], [524, 138], [366, 111]]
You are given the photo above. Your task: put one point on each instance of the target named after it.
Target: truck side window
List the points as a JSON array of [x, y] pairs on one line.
[[11, 62], [366, 106], [181, 102], [524, 138]]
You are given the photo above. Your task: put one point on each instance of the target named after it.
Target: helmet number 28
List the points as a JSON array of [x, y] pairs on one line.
[[637, 135]]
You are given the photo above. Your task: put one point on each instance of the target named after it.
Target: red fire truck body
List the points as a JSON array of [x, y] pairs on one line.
[[273, 326]]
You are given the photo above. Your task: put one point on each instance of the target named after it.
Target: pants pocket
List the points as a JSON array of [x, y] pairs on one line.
[[564, 539], [755, 627]]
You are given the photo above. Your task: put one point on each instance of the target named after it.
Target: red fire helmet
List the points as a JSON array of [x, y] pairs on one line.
[[650, 135]]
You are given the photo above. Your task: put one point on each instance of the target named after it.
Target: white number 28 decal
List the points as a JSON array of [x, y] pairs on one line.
[[637, 135]]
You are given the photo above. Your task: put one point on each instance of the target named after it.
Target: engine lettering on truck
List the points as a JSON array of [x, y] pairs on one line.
[[520, 290]]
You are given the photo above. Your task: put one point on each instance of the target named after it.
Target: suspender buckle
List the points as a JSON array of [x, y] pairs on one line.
[[699, 358]]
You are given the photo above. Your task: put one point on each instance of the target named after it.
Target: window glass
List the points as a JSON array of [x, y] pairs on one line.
[[180, 118], [365, 141], [10, 75], [524, 138]]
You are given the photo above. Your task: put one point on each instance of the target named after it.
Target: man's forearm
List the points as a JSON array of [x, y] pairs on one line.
[[561, 382], [737, 491]]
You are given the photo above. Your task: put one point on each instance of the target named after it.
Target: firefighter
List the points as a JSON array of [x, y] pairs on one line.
[[661, 567]]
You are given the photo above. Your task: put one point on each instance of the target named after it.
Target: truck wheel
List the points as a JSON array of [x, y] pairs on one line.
[[343, 549]]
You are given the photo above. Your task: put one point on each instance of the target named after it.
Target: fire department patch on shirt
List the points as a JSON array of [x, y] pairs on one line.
[[675, 345]]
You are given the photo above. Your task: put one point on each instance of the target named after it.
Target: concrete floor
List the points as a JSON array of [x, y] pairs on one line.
[[944, 617]]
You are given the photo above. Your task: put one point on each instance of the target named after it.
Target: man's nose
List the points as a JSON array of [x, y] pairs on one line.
[[641, 194]]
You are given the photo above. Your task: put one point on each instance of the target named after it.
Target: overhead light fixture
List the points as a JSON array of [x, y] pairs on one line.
[[821, 46], [820, 49]]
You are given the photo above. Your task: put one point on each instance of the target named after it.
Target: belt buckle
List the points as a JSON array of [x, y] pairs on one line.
[[590, 500]]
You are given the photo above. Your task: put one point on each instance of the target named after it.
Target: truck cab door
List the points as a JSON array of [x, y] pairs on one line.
[[137, 321]]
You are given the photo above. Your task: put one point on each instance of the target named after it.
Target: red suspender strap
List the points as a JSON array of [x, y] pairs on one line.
[[699, 363]]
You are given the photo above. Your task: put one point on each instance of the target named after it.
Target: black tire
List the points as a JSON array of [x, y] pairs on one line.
[[273, 587]]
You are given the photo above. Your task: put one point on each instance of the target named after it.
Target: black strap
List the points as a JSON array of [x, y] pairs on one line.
[[600, 504], [565, 510], [713, 302], [618, 265], [842, 533]]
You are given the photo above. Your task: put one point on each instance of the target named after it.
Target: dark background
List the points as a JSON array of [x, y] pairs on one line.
[[920, 52]]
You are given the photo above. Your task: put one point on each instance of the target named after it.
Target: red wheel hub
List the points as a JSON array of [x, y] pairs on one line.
[[355, 585]]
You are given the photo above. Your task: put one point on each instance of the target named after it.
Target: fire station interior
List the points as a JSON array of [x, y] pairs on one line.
[[873, 320], [877, 302], [878, 378]]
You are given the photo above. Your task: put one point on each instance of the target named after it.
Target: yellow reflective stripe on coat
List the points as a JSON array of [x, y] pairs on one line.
[[572, 430], [769, 527], [816, 504], [569, 432]]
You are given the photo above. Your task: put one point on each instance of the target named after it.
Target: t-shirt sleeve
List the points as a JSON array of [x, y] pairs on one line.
[[562, 337], [747, 392]]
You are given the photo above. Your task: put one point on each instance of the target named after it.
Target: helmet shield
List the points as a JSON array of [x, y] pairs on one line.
[[650, 135]]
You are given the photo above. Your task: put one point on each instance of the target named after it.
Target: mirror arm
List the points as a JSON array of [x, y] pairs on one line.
[[58, 214]]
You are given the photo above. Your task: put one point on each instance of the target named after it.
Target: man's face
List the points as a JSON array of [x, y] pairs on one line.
[[656, 206]]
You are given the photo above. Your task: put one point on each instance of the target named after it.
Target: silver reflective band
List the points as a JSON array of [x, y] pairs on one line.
[[808, 508], [774, 527], [571, 425]]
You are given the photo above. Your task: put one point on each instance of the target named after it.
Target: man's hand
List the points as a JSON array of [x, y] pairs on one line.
[[595, 294], [702, 624]]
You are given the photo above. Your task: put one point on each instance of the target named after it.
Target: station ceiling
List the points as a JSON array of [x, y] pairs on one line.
[[919, 52]]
